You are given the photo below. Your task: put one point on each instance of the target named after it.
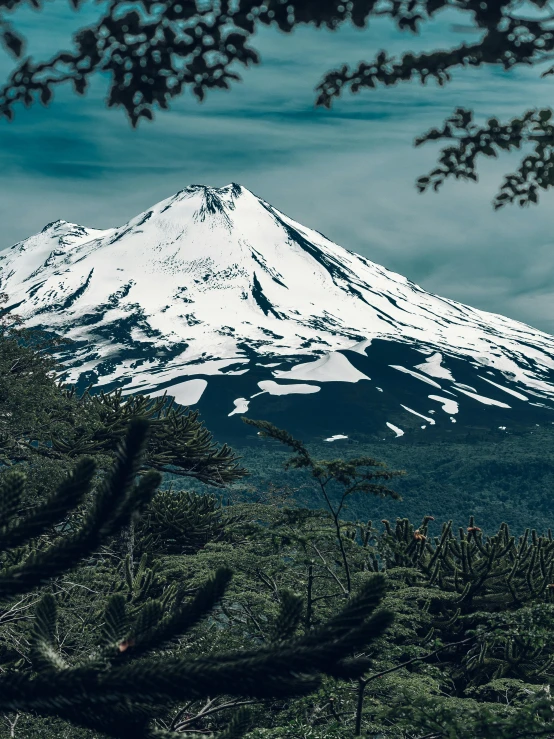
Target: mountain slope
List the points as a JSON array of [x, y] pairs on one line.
[[223, 301]]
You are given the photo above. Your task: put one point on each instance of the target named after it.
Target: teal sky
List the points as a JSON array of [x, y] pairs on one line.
[[349, 172]]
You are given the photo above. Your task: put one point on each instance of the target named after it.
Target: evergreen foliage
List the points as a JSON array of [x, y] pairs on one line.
[[121, 687], [337, 470], [62, 427], [486, 570], [116, 691], [182, 444], [180, 522], [257, 619], [498, 477]]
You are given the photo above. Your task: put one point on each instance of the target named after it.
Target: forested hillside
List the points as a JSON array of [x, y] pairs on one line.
[[132, 608], [509, 478]]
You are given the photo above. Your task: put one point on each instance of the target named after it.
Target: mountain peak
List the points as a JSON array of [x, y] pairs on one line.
[[212, 276], [231, 187], [53, 224]]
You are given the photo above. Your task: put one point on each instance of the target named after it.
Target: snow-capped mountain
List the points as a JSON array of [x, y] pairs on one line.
[[222, 301]]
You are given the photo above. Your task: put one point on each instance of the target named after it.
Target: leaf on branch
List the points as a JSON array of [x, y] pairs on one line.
[[115, 624], [46, 95], [11, 491], [238, 725], [43, 652], [80, 85], [288, 618], [13, 42], [489, 151]]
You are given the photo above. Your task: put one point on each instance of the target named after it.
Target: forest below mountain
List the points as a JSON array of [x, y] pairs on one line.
[[498, 477], [258, 606]]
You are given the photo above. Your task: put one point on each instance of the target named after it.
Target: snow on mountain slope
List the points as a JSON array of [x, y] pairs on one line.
[[217, 281]]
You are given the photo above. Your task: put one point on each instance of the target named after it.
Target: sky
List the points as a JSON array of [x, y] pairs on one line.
[[348, 172]]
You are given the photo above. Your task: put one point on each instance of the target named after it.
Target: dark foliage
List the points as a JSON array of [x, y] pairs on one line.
[[122, 686]]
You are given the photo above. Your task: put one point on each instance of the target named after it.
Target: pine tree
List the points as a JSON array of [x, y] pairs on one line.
[[181, 522], [44, 420], [344, 472], [120, 689], [127, 682], [487, 572]]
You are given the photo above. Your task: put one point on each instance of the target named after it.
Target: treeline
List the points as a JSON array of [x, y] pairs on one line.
[[131, 610], [502, 479]]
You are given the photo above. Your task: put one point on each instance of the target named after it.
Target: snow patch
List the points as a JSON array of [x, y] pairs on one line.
[[360, 347], [506, 390], [185, 393], [465, 387], [241, 406], [273, 388], [485, 400], [432, 366], [415, 374], [396, 430], [429, 420], [332, 367], [448, 406]]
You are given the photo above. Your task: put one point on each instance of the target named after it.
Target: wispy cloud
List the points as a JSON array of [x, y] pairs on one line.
[[348, 172]]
